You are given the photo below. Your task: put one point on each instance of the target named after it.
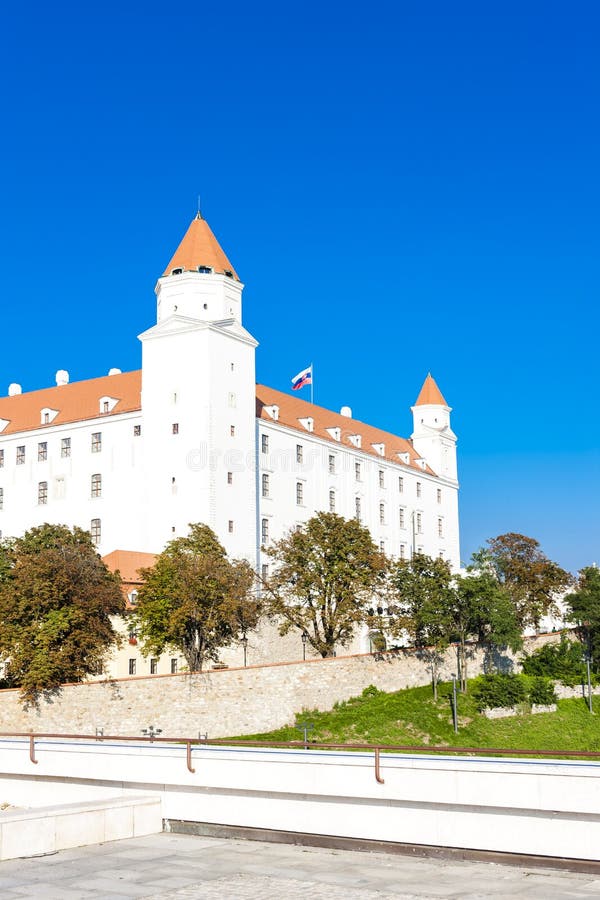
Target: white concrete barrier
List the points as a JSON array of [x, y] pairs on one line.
[[549, 808]]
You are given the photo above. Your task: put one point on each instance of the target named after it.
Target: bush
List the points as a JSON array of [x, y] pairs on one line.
[[541, 691], [563, 661], [493, 691]]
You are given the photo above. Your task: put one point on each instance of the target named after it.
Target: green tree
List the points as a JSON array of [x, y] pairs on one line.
[[195, 599], [530, 579], [325, 575], [56, 602], [584, 610]]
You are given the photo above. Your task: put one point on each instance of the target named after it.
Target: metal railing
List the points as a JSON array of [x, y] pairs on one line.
[[376, 749]]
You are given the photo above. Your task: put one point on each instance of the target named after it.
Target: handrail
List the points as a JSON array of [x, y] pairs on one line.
[[376, 749]]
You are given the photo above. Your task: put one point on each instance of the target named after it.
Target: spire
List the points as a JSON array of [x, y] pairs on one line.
[[430, 394], [200, 247]]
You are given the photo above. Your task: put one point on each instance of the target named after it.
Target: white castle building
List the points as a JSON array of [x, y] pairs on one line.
[[136, 456]]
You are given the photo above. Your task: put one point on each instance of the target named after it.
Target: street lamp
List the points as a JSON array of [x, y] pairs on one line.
[[454, 709], [244, 643], [304, 640]]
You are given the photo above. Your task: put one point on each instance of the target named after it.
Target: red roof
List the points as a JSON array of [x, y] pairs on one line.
[[199, 247], [430, 394]]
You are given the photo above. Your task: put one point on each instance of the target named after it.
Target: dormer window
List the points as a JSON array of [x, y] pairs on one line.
[[228, 273], [336, 433], [308, 423], [355, 439], [47, 415], [404, 457], [107, 404], [379, 448], [273, 411], [205, 270], [177, 271]]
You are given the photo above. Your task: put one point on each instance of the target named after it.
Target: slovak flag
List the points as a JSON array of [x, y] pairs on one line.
[[302, 378]]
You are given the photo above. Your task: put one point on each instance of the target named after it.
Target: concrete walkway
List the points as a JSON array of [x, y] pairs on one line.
[[178, 867]]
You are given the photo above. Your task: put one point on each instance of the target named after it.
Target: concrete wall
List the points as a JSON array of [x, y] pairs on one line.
[[228, 702], [548, 808]]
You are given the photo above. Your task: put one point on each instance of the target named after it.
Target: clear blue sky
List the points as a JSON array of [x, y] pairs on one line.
[[402, 186]]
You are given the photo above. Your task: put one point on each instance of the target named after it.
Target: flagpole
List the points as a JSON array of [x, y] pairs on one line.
[[312, 372]]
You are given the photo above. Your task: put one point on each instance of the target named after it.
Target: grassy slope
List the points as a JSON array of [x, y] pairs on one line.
[[412, 717]]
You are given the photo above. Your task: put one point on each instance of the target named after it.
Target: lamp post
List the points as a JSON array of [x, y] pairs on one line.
[[587, 659], [304, 641], [454, 710], [244, 643]]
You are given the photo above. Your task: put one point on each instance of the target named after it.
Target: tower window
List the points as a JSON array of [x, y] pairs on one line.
[[96, 485], [1, 459], [331, 464], [299, 493], [419, 523], [228, 273], [299, 453], [96, 530], [175, 428], [418, 489], [402, 551], [230, 526], [357, 508], [1, 498], [401, 484], [265, 485], [42, 451], [230, 478], [137, 430], [357, 471], [204, 270], [331, 501], [21, 456], [382, 513], [264, 443], [439, 495], [264, 531], [381, 478], [440, 527], [232, 430], [401, 517], [65, 447], [97, 442], [176, 271]]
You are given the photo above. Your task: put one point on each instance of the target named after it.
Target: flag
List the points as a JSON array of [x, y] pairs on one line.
[[302, 378]]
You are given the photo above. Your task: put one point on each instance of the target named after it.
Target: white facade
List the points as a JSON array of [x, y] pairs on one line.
[[138, 456]]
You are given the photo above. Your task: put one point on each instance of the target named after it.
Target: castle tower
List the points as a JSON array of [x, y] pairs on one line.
[[432, 436], [198, 400]]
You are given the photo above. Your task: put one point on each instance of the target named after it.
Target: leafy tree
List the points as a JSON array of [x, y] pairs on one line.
[[530, 579], [563, 661], [584, 610], [421, 593], [195, 599], [56, 600], [325, 576]]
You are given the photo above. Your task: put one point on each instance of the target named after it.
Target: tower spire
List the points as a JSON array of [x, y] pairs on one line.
[[199, 247]]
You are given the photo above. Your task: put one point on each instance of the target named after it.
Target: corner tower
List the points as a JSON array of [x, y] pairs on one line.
[[199, 401], [432, 435]]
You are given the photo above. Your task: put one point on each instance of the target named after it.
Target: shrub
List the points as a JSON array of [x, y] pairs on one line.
[[492, 691], [541, 691], [562, 661], [371, 691]]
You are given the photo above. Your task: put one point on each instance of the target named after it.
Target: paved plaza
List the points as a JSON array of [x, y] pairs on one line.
[[181, 867]]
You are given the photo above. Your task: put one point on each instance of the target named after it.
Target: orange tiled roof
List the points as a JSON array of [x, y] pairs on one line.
[[292, 409], [75, 402], [128, 563], [199, 247], [430, 394]]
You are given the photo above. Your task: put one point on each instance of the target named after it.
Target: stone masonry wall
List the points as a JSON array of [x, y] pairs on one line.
[[228, 702]]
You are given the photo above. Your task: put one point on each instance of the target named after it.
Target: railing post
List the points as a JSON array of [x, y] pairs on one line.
[[378, 777], [32, 750], [189, 757]]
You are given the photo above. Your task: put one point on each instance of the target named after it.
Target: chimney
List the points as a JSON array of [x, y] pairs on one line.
[[346, 411], [62, 377], [14, 389], [114, 371]]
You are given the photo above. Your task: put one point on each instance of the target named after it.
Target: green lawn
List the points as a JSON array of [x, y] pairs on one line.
[[413, 717]]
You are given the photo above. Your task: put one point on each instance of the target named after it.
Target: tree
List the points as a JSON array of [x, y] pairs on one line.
[[195, 599], [326, 573], [56, 602], [420, 595], [530, 579], [584, 610]]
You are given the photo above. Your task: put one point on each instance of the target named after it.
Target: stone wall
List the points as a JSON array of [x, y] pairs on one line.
[[227, 702]]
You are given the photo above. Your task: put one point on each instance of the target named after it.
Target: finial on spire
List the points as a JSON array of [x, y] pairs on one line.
[[198, 212]]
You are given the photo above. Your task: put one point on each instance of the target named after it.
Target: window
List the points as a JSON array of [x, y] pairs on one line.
[[401, 517], [20, 456], [231, 400], [401, 484], [299, 453], [331, 501], [331, 464], [265, 485], [65, 447], [232, 430], [173, 667], [439, 495], [440, 527], [382, 546], [264, 443], [46, 418], [299, 493], [402, 551], [1, 498], [264, 531], [382, 513], [230, 526], [97, 442], [137, 430], [42, 451], [132, 667], [1, 459], [96, 485], [419, 523], [42, 493], [204, 270], [418, 489], [232, 367], [133, 598], [153, 666], [357, 471], [175, 427], [230, 478], [357, 508], [96, 530], [381, 478], [264, 570], [105, 406]]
